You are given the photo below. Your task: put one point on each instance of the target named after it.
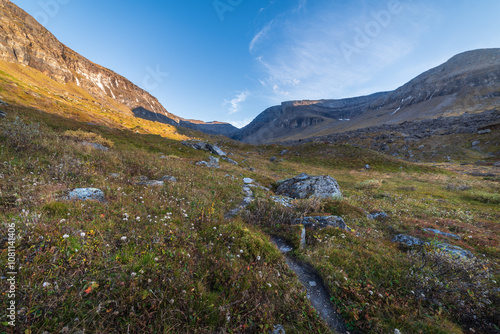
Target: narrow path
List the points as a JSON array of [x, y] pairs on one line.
[[317, 292]]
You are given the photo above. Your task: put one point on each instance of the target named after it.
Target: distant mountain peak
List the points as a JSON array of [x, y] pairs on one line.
[[468, 82]]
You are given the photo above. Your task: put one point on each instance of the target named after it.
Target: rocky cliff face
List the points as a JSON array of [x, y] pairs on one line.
[[469, 82], [24, 41]]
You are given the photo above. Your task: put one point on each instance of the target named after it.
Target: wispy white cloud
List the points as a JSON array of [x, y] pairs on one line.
[[301, 56], [260, 36], [235, 104]]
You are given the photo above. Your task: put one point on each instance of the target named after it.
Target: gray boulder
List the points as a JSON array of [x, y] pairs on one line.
[[212, 163], [216, 150], [85, 194], [305, 186], [199, 145], [408, 240], [2, 114], [322, 222]]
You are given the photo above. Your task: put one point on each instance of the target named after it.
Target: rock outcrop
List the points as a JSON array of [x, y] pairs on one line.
[[322, 222], [199, 145], [305, 186]]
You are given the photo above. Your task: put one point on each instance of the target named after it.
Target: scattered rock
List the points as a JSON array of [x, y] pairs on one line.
[[378, 216], [447, 235], [85, 194], [199, 145], [247, 200], [282, 245], [368, 167], [3, 103], [151, 183], [212, 163], [231, 161], [143, 178], [283, 152], [168, 178], [247, 180], [496, 164], [114, 175], [96, 146], [453, 250], [475, 143], [251, 169], [278, 329], [2, 114], [396, 331], [322, 222], [483, 132], [304, 186], [312, 283], [273, 159], [408, 240]]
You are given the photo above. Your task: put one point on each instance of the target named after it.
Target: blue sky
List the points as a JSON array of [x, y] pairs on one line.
[[228, 60]]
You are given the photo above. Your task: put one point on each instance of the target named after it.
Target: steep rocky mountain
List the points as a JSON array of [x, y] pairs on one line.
[[468, 82], [25, 42]]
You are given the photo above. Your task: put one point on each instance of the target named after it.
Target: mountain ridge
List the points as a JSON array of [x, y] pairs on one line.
[[25, 41], [468, 82]]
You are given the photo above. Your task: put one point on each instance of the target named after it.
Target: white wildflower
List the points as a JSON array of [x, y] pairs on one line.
[[124, 238], [65, 236], [82, 234]]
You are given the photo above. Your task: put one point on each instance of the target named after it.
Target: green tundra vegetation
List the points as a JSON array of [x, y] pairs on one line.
[[164, 259]]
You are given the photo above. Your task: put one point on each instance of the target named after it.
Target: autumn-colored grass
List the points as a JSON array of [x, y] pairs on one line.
[[164, 259]]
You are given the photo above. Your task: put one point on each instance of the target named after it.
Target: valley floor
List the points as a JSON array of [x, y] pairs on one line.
[[160, 257]]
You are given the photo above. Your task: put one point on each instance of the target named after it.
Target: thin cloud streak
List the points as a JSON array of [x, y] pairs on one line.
[[235, 104], [301, 56]]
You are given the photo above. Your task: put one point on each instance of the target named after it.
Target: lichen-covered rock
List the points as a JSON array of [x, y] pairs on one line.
[[454, 250], [322, 222], [408, 240], [85, 194], [305, 186]]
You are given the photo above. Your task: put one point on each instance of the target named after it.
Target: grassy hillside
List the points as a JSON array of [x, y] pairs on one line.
[[164, 259]]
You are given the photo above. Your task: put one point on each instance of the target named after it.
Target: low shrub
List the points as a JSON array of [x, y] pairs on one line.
[[80, 135], [21, 136], [465, 285], [369, 184]]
